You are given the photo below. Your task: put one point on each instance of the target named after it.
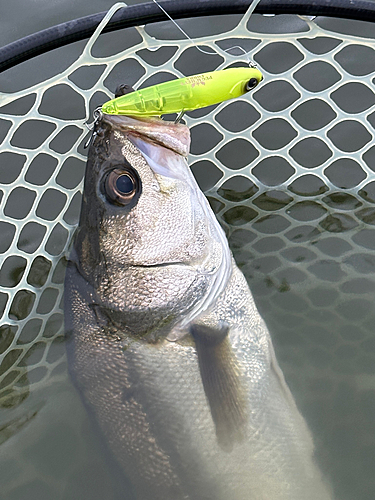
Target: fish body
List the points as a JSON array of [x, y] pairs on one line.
[[185, 94], [165, 343]]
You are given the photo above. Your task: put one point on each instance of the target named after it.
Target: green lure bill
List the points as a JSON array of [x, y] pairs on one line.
[[185, 94]]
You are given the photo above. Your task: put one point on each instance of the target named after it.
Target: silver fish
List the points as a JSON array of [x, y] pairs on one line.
[[165, 343]]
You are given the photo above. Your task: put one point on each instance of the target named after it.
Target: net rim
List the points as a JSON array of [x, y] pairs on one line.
[[147, 13]]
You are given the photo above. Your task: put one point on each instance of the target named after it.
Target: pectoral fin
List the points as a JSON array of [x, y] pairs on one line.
[[220, 375]]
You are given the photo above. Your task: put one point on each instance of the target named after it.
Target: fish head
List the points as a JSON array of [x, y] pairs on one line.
[[139, 203], [145, 226]]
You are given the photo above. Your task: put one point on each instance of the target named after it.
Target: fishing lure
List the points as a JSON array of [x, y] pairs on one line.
[[185, 94]]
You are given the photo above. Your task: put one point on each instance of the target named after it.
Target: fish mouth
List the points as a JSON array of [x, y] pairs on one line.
[[160, 264], [173, 136], [164, 145]]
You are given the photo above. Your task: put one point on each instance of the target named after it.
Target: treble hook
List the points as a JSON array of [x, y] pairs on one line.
[[179, 117], [97, 116]]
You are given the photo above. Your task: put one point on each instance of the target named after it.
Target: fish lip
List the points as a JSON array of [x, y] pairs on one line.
[[163, 145], [173, 136], [159, 264]]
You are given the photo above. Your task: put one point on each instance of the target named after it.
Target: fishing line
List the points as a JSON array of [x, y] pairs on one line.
[[224, 271], [246, 54]]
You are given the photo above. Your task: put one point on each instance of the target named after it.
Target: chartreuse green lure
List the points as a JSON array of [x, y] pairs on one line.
[[185, 94]]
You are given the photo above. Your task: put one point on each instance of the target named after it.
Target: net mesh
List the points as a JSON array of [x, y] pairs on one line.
[[288, 169]]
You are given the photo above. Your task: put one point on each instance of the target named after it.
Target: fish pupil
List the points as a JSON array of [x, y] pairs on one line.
[[124, 184]]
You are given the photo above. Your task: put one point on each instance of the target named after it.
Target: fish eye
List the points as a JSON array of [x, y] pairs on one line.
[[251, 84], [122, 185]]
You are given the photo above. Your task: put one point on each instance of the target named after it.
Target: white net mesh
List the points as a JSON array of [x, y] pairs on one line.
[[289, 171]]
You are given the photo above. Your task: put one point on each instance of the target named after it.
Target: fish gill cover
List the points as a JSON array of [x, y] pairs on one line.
[[288, 171]]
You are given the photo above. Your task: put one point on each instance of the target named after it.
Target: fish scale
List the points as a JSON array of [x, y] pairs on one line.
[[207, 415]]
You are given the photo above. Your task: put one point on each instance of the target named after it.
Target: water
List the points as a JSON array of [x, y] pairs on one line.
[[289, 172]]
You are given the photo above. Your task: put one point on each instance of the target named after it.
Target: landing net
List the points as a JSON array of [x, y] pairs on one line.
[[288, 169]]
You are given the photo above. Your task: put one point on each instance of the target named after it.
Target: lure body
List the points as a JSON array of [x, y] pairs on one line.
[[185, 94]]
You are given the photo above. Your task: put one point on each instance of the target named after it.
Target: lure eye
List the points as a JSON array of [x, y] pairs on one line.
[[251, 84], [122, 185]]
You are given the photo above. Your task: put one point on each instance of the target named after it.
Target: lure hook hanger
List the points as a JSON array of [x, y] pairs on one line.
[[97, 116]]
